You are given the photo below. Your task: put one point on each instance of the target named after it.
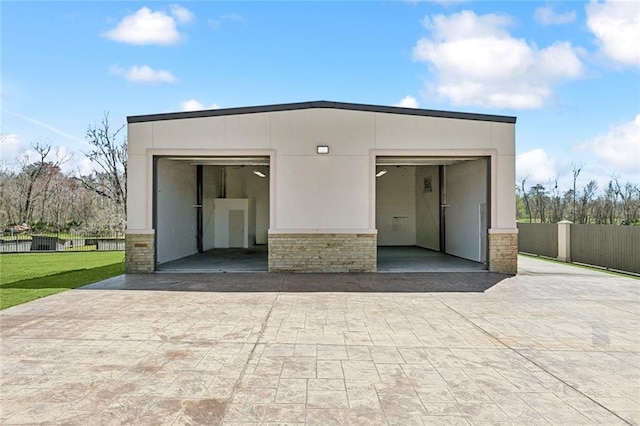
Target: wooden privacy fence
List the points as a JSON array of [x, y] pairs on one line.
[[607, 246], [538, 238], [610, 246]]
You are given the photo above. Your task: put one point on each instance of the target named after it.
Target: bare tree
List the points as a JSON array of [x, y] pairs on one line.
[[576, 169], [109, 156], [586, 201], [539, 196], [616, 204], [30, 177], [610, 204], [525, 196], [630, 197], [557, 206], [51, 177]]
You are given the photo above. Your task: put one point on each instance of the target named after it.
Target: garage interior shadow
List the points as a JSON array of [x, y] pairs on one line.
[[400, 270], [417, 282]]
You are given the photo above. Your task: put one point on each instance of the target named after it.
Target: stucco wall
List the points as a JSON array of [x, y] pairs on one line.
[[322, 191], [410, 132], [304, 179]]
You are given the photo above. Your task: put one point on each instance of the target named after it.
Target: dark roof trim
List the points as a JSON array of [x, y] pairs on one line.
[[320, 104]]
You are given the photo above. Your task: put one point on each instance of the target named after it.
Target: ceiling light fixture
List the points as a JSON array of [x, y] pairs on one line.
[[322, 149], [381, 173], [259, 173]]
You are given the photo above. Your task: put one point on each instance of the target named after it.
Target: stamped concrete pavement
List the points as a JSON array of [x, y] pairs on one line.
[[556, 344]]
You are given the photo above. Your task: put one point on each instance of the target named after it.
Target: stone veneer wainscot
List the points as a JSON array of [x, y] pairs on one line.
[[140, 253], [332, 252], [503, 252]]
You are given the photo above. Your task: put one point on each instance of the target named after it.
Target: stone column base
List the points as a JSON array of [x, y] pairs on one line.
[[331, 252], [503, 251], [139, 252]]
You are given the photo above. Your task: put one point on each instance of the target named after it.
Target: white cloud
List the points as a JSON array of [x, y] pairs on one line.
[[537, 166], [619, 148], [144, 74], [407, 102], [194, 105], [10, 147], [477, 62], [148, 27], [182, 14], [616, 24], [85, 167], [233, 17], [547, 16]]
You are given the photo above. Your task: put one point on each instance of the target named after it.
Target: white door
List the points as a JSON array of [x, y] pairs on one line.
[[236, 228]]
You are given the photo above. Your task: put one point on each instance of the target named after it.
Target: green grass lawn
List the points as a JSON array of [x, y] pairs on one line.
[[28, 276]]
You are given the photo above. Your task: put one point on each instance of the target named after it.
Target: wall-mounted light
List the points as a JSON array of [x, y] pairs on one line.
[[259, 173], [381, 173], [322, 149]]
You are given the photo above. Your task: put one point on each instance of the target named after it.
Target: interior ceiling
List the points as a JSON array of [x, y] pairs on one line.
[[224, 161], [380, 161], [422, 161]]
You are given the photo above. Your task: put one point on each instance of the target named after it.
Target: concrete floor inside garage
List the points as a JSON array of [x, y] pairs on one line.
[[254, 259]]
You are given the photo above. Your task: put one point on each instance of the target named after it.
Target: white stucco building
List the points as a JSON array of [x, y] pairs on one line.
[[321, 184]]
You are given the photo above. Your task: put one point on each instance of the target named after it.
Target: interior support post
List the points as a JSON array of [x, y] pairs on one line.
[[199, 197], [442, 176]]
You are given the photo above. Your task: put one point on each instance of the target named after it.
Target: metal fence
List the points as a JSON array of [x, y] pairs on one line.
[[609, 246], [62, 241], [538, 238]]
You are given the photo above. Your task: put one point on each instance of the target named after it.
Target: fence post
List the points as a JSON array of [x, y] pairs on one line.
[[564, 240]]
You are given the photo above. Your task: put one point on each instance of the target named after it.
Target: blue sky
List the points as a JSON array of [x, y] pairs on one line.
[[568, 70]]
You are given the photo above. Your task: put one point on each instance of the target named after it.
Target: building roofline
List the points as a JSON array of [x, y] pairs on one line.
[[320, 104]]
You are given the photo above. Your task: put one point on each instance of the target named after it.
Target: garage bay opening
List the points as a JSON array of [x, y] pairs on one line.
[[211, 214], [432, 214]]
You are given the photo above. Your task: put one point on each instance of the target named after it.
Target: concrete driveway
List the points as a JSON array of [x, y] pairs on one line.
[[556, 344]]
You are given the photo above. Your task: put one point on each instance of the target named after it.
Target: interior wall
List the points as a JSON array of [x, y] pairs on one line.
[[241, 182], [466, 192], [176, 217], [396, 207], [427, 207], [223, 207]]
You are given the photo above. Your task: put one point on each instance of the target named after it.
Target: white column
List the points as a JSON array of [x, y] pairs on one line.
[[564, 240]]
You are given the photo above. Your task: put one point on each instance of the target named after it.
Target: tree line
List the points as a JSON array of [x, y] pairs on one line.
[[616, 204], [35, 191]]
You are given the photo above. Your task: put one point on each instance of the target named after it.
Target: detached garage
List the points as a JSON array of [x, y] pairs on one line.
[[320, 187]]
